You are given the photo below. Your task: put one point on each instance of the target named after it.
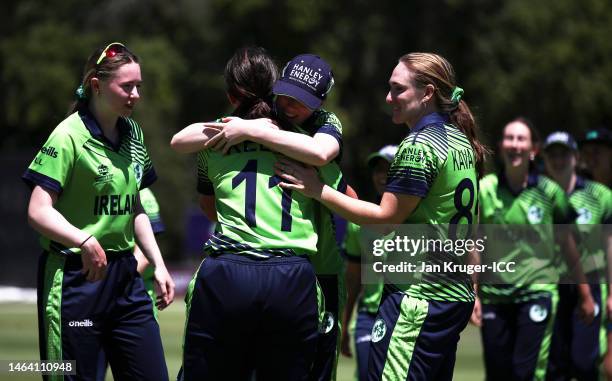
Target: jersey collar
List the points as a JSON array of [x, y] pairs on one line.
[[532, 181], [429, 119], [94, 129]]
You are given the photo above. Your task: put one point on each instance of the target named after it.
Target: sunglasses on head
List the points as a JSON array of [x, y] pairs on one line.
[[111, 50]]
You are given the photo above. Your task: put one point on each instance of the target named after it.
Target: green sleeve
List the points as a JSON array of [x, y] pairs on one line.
[[151, 208], [204, 184], [328, 123], [52, 166], [352, 248], [413, 169], [331, 175]]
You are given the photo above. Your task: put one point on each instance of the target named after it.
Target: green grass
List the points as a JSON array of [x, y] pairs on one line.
[[19, 341]]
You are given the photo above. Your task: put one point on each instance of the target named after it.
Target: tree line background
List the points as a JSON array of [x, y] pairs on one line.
[[548, 60]]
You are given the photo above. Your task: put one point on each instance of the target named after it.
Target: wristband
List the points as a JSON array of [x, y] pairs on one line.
[[86, 239]]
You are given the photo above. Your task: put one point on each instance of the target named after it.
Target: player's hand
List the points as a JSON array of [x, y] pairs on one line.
[[609, 308], [587, 309], [94, 260], [164, 286], [301, 178], [232, 131], [345, 343], [476, 317]]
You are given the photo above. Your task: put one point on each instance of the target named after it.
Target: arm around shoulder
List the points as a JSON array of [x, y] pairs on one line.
[[192, 138], [317, 150]]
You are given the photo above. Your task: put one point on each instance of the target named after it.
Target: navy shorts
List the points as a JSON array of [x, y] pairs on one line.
[[363, 338], [326, 360], [416, 339], [246, 315], [516, 338], [78, 319], [577, 348]]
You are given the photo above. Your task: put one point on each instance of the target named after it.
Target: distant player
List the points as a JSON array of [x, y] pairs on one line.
[[577, 348], [417, 328], [596, 155], [517, 316], [86, 206], [366, 296]]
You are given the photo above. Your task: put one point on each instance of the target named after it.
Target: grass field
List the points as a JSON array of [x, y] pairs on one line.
[[19, 341]]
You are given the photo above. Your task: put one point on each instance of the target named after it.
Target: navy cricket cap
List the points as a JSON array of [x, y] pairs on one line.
[[307, 78], [562, 138], [386, 153], [598, 135]]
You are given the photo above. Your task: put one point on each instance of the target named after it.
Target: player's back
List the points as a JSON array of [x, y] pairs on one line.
[[256, 216]]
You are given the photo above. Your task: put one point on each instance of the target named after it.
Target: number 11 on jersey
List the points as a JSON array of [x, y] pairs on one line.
[[249, 175]]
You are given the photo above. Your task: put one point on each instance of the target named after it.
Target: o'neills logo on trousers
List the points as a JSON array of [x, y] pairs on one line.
[[81, 323]]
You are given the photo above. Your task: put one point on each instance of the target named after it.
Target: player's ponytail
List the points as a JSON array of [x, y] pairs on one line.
[[463, 119], [249, 77]]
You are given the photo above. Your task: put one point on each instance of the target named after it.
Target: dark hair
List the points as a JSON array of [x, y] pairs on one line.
[[535, 139], [249, 77], [429, 68], [116, 56], [535, 135]]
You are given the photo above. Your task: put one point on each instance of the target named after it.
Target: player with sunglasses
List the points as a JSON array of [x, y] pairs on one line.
[[85, 203]]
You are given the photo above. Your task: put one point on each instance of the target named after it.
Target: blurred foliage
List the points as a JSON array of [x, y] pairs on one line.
[[548, 60]]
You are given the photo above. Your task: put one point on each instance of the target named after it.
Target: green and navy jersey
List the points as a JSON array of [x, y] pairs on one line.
[[97, 183], [592, 202], [371, 294], [437, 163], [529, 241], [256, 216], [324, 122], [327, 261], [151, 208]]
